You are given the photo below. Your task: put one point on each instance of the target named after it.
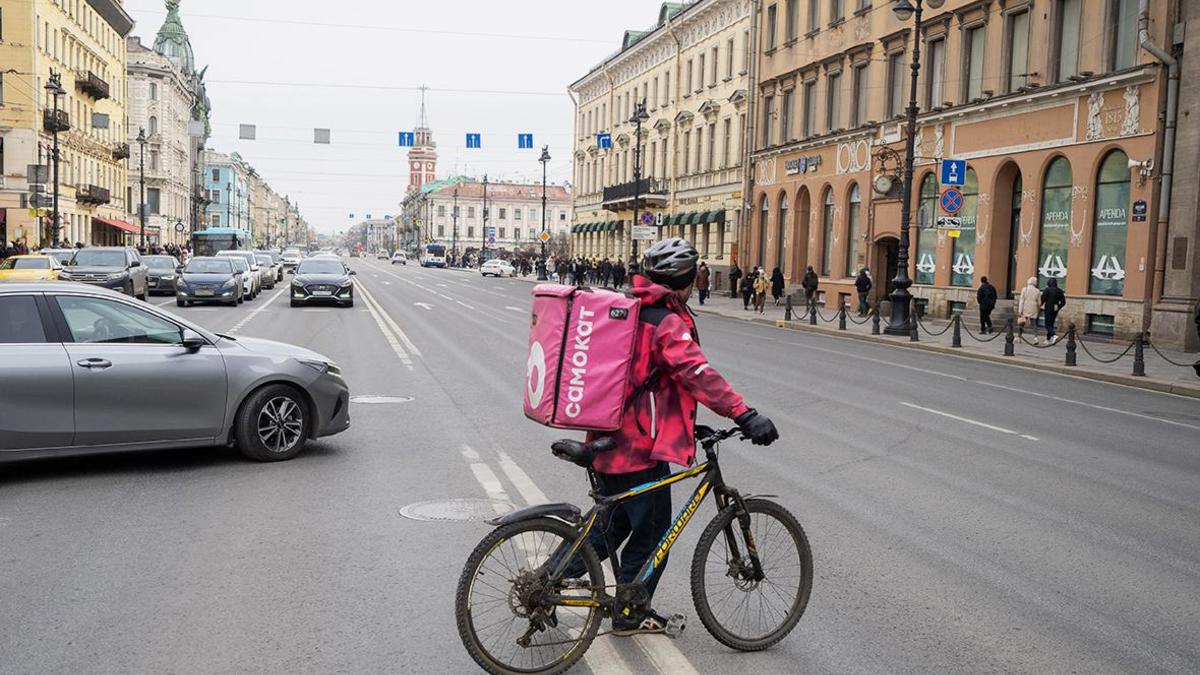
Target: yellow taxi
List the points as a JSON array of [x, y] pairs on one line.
[[30, 268]]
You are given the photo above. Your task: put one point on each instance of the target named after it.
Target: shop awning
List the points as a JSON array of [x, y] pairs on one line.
[[696, 218], [575, 228], [618, 225], [119, 224]]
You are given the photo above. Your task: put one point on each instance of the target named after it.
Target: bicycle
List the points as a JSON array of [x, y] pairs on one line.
[[516, 580]]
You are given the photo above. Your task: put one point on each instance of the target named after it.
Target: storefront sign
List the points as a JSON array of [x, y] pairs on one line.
[[801, 165], [1139, 211]]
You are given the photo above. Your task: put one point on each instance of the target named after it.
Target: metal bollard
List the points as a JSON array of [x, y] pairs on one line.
[[842, 316], [914, 332], [812, 312], [1071, 344], [1139, 356], [787, 309], [875, 322], [957, 342], [1008, 339]]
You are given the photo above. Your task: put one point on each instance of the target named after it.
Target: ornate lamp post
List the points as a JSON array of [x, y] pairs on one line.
[[54, 86], [898, 323], [141, 139], [544, 159], [639, 116]]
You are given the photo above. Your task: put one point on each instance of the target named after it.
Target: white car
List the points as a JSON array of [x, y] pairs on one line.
[[497, 267], [256, 272], [399, 258], [381, 255], [291, 257]]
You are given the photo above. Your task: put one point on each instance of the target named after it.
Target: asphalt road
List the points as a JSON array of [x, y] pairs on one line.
[[964, 516]]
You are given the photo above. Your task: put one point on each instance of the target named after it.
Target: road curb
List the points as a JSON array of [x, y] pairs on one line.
[[1189, 391]]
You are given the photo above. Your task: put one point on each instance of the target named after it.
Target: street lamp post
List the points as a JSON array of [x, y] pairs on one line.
[[639, 116], [454, 226], [899, 322], [483, 244], [544, 159], [141, 139], [54, 86]]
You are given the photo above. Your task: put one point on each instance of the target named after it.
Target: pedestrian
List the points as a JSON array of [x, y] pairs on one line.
[[734, 275], [1053, 300], [777, 284], [1028, 307], [702, 282], [810, 284], [760, 290], [747, 289], [619, 274], [986, 297], [862, 284]]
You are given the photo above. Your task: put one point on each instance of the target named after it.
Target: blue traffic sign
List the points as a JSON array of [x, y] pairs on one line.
[[474, 141], [603, 140], [954, 171], [952, 200], [407, 139], [524, 141]]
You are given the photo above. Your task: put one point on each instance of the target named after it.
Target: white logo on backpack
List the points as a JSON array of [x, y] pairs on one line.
[[536, 361]]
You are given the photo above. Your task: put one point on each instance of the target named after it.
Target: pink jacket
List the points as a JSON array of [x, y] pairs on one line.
[[660, 423]]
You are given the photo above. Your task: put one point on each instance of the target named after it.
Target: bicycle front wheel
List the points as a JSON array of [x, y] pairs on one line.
[[505, 618], [739, 610]]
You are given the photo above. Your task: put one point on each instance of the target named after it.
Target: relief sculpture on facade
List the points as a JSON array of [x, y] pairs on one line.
[[1132, 111], [1095, 130]]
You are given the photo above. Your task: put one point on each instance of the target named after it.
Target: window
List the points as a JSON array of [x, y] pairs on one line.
[[814, 15], [792, 20], [861, 95], [895, 84], [833, 101], [1101, 324], [837, 11], [1056, 222], [154, 160], [700, 75], [20, 321], [1111, 226], [936, 73], [1066, 20], [770, 29], [690, 74], [441, 230], [785, 116], [667, 86], [96, 320], [727, 143], [470, 232], [215, 220], [654, 102], [729, 60], [502, 232], [216, 175], [516, 214], [153, 91], [716, 57], [973, 68], [781, 229], [153, 125], [810, 108], [745, 51], [441, 210], [470, 211], [712, 146], [1017, 45], [687, 152], [1122, 33], [768, 120], [962, 264], [853, 227], [764, 215], [503, 213], [827, 226], [153, 199], [926, 253]]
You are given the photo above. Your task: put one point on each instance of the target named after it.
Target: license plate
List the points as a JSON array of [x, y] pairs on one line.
[[204, 293], [323, 293]]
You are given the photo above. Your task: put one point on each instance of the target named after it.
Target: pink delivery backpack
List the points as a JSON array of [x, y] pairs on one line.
[[581, 343]]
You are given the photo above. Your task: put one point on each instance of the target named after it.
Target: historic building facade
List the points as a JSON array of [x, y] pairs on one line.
[[692, 71], [84, 44], [514, 212], [1053, 104], [227, 180]]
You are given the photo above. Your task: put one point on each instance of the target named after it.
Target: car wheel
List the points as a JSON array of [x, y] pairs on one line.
[[273, 424], [180, 303], [295, 304], [233, 303]]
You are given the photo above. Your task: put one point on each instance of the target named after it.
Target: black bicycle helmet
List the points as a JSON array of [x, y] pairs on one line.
[[671, 262]]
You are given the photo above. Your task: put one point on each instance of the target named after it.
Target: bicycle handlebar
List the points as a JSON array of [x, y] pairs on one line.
[[715, 436]]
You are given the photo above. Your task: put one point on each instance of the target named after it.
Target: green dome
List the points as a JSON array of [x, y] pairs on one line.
[[172, 40]]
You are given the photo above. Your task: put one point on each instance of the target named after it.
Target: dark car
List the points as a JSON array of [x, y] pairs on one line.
[[267, 263], [117, 267], [161, 272], [322, 280], [209, 280]]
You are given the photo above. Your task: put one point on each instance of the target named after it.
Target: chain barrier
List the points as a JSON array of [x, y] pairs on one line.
[[1164, 357], [1048, 345], [979, 339], [930, 333], [1083, 343], [865, 319], [822, 316]]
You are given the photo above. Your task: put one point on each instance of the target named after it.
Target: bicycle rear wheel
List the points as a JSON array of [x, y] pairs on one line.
[[503, 620], [739, 611]]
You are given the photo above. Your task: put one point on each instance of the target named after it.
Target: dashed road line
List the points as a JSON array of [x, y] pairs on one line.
[[256, 311], [515, 309], [967, 420], [408, 344], [392, 340]]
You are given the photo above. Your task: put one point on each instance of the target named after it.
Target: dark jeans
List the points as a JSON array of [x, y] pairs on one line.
[[863, 307], [1050, 318], [703, 295], [746, 295], [985, 320]]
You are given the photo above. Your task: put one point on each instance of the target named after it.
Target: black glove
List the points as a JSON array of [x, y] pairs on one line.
[[758, 428]]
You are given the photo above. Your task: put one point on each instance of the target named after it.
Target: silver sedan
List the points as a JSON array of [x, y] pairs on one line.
[[87, 370]]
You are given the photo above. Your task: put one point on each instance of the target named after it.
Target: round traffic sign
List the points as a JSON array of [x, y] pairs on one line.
[[952, 200], [647, 218]]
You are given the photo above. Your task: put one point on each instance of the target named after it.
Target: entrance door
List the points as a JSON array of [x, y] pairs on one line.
[[887, 262], [1014, 238]]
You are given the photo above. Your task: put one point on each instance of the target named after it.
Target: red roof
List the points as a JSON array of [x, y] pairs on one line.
[[119, 224]]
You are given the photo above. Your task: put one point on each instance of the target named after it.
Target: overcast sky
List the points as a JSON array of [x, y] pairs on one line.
[[517, 58]]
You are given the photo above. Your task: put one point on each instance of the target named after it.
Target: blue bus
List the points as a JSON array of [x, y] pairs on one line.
[[432, 255], [216, 239]]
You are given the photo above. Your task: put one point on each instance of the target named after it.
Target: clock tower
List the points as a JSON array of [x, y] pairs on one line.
[[422, 157]]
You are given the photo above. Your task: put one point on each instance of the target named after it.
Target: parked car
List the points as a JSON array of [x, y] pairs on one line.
[[30, 268], [322, 280], [245, 276], [291, 257], [399, 258], [210, 279], [277, 258], [498, 268], [268, 266], [103, 373], [255, 270], [117, 267], [62, 255], [161, 271]]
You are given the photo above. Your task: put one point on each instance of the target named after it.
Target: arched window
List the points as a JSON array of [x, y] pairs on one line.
[[153, 125], [764, 215], [853, 225], [781, 232], [962, 263], [827, 226], [926, 253], [1056, 222], [1112, 226]]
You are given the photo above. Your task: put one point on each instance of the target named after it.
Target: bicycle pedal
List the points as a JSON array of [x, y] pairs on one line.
[[675, 626]]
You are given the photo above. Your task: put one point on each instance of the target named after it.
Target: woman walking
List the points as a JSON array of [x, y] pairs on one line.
[[760, 290], [1028, 308], [747, 289], [777, 284]]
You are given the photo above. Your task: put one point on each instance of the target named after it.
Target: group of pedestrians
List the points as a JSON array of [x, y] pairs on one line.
[[594, 272], [755, 284], [1032, 302]]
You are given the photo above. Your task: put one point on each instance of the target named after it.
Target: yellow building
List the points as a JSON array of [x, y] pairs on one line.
[[83, 42]]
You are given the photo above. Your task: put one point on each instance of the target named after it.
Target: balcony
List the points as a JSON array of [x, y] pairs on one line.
[[91, 84], [121, 151], [650, 192], [91, 194], [56, 121]]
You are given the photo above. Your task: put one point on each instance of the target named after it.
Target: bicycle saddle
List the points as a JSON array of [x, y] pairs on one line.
[[580, 453]]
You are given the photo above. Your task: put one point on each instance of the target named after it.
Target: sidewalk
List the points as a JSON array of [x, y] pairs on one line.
[[1160, 375]]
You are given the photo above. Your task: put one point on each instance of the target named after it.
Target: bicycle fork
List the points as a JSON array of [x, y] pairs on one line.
[[737, 567]]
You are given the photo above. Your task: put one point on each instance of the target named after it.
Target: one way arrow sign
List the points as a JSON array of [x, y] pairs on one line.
[[954, 171]]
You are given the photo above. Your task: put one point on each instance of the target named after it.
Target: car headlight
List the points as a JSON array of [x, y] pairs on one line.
[[322, 366], [64, 275], [296, 283], [118, 275], [229, 283], [169, 277]]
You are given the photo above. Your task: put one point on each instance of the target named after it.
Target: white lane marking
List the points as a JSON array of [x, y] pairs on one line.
[[1152, 418], [464, 304], [442, 285], [515, 309], [391, 338], [408, 344], [443, 295], [257, 310], [524, 483], [967, 420], [424, 305], [665, 656], [469, 453], [164, 303], [386, 283]]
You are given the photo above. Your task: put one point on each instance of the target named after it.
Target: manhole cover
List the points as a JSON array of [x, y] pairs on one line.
[[457, 510], [376, 400]]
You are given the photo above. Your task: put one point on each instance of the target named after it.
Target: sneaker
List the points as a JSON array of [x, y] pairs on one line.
[[651, 624], [1054, 340], [1036, 341]]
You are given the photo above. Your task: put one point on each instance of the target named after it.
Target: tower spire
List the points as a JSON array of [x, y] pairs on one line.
[[422, 120]]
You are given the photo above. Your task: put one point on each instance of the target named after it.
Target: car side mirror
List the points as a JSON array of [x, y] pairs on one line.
[[179, 269], [353, 273], [135, 263], [292, 270], [192, 341]]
